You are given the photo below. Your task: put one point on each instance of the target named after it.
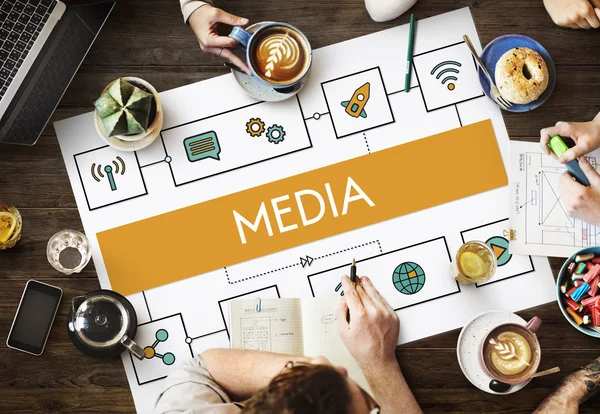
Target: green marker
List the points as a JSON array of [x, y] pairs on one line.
[[409, 53], [558, 146]]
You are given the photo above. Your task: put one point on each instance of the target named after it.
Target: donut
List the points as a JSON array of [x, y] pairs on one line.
[[521, 75]]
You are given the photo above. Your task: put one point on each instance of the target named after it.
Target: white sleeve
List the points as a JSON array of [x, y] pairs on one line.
[[191, 388], [190, 6]]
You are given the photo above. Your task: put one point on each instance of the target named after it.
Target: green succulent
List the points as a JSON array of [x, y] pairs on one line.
[[124, 108]]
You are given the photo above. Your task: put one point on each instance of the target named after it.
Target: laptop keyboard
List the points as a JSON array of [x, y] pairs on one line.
[[20, 23]]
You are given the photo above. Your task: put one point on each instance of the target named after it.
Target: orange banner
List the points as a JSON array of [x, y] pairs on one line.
[[303, 208]]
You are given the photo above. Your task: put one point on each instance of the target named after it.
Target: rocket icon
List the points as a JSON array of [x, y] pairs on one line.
[[356, 106]]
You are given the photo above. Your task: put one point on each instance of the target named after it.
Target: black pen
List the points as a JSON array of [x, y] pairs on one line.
[[353, 280]]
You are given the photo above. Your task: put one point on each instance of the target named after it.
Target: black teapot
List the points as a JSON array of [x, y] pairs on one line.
[[102, 324]]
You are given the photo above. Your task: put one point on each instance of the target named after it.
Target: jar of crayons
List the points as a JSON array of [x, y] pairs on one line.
[[579, 291]]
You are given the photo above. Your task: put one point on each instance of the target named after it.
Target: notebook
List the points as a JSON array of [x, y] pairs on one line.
[[295, 327]]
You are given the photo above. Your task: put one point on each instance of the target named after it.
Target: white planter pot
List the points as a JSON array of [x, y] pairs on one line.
[[138, 141]]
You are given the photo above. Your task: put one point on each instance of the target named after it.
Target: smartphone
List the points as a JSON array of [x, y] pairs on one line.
[[35, 315]]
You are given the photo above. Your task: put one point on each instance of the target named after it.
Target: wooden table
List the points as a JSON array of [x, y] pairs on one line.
[[147, 38]]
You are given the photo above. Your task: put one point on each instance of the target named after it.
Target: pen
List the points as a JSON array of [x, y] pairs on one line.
[[353, 280], [411, 35]]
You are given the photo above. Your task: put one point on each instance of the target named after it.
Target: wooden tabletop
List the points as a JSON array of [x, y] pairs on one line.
[[147, 38]]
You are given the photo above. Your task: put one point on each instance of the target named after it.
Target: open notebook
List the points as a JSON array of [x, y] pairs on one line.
[[295, 327]]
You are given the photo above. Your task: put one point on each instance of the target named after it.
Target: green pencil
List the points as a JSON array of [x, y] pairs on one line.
[[411, 36]]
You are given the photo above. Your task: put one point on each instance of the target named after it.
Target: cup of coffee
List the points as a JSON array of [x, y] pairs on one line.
[[511, 353], [278, 54]]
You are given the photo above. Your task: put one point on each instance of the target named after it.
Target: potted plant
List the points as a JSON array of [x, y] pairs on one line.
[[128, 114]]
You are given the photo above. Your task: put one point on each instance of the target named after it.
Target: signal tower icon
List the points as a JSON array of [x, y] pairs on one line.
[[119, 168], [451, 86]]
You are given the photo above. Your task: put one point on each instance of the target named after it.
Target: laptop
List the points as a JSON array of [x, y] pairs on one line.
[[42, 44]]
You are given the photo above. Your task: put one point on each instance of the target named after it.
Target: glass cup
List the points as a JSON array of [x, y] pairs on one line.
[[69, 251], [475, 263], [10, 226]]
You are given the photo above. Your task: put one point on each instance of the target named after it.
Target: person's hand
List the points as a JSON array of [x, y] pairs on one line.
[[204, 21], [576, 14], [585, 134], [372, 333], [582, 202]]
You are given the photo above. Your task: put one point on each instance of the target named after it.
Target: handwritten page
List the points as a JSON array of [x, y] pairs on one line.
[[276, 328], [537, 210], [321, 337], [295, 327]]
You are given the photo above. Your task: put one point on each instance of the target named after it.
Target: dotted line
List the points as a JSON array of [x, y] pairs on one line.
[[227, 274], [260, 274], [298, 264], [366, 142], [349, 248]]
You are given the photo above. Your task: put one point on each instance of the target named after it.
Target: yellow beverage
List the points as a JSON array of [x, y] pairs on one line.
[[476, 263], [10, 226]]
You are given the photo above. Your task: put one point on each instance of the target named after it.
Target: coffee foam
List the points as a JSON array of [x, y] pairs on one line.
[[510, 353], [279, 55]]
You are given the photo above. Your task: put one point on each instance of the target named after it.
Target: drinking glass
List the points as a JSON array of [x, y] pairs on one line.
[[68, 251], [10, 226], [475, 263]]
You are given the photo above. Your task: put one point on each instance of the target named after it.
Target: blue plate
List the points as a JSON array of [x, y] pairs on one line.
[[496, 48], [564, 275]]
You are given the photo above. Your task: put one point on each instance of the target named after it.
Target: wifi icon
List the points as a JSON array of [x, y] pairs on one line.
[[109, 171], [447, 67]]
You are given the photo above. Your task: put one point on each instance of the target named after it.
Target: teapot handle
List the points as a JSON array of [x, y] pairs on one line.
[[133, 348], [76, 302]]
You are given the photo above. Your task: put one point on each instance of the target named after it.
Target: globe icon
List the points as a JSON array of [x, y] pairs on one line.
[[409, 278]]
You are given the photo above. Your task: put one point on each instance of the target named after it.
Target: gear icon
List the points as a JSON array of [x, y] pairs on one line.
[[275, 134], [255, 127]]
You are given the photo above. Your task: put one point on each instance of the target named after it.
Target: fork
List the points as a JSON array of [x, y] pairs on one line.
[[496, 95]]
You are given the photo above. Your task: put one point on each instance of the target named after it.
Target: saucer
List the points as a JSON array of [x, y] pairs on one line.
[[496, 48], [254, 87], [467, 348]]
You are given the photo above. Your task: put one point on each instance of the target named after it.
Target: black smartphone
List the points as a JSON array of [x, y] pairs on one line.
[[34, 318]]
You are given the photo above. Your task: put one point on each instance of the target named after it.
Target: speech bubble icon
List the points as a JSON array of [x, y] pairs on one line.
[[200, 147]]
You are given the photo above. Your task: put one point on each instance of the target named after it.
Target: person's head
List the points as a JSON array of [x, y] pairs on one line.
[[312, 388]]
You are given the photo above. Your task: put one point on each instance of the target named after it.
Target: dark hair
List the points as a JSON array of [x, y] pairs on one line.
[[303, 389]]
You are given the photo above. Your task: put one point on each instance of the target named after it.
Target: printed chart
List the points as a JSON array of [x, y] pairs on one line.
[[246, 199], [538, 213]]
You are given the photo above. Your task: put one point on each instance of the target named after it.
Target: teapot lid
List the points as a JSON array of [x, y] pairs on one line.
[[100, 320]]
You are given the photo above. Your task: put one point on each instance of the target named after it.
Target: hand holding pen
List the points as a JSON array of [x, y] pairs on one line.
[[372, 333]]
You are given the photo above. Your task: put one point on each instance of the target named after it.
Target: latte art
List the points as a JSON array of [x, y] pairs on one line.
[[280, 55], [509, 353], [283, 53]]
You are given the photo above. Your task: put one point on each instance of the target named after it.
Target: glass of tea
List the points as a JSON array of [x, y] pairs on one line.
[[68, 251], [475, 263], [10, 226]]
